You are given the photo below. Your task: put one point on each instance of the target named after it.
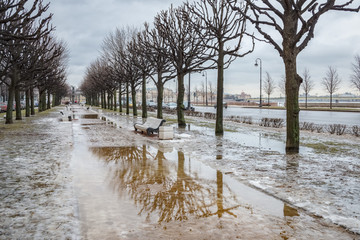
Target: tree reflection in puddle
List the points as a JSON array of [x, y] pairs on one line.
[[164, 184]]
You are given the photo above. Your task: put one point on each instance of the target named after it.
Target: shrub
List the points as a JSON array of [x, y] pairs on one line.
[[356, 131], [339, 129], [319, 128], [307, 126], [272, 122]]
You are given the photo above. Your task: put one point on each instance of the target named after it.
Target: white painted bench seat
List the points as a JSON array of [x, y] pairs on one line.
[[150, 126]]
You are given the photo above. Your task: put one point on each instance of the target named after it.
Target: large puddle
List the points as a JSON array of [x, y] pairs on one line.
[[151, 192]]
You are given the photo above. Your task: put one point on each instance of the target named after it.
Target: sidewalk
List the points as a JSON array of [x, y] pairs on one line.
[[98, 179]]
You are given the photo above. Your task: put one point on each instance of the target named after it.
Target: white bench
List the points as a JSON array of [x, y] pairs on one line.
[[150, 126]]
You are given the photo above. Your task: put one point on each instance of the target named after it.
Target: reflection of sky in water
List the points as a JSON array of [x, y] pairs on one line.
[[256, 139]]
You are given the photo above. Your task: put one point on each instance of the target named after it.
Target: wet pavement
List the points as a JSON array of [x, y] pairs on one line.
[[98, 179]]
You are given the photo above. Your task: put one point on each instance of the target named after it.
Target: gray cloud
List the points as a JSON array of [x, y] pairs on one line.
[[83, 24]]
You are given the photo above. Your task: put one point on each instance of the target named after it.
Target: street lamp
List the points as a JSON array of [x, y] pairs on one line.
[[256, 64], [188, 106], [205, 75]]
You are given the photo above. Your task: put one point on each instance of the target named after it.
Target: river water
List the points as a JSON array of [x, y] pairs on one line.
[[317, 117]]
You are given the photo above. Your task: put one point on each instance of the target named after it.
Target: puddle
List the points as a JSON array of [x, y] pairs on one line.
[[170, 180], [89, 116], [156, 192]]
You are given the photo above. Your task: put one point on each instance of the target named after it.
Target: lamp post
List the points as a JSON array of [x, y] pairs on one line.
[[205, 74], [256, 64], [188, 107]]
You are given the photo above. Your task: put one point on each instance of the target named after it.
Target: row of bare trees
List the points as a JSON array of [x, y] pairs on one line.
[[210, 34], [30, 57], [190, 38]]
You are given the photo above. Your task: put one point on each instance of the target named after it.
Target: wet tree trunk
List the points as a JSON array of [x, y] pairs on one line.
[[40, 105], [133, 96], [180, 101], [109, 100], [120, 100], [219, 129], [17, 104], [160, 89], [143, 100], [9, 110], [127, 99], [293, 81], [54, 100], [42, 101], [48, 100], [27, 103], [102, 99], [32, 101], [292, 84], [115, 105], [105, 102]]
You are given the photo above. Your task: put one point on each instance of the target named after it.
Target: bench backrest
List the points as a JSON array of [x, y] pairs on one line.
[[153, 122]]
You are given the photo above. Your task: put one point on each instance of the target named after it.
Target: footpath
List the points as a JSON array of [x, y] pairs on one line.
[[95, 178]]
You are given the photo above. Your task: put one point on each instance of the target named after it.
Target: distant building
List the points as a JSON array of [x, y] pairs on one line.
[[238, 97]]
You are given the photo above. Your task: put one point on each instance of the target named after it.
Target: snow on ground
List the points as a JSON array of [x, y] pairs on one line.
[[36, 194], [36, 178]]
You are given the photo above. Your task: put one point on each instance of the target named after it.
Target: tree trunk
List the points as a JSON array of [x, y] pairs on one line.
[[306, 96], [27, 103], [143, 100], [114, 94], [32, 101], [160, 89], [330, 100], [127, 99], [109, 100], [10, 103], [40, 109], [292, 85], [180, 101], [120, 100], [17, 104], [48, 100], [54, 100], [219, 129], [42, 101], [133, 96]]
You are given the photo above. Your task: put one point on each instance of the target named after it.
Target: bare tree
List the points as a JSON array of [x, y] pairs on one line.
[[331, 82], [212, 91], [184, 48], [307, 84], [281, 85], [140, 60], [294, 23], [224, 31], [269, 86], [19, 27], [355, 77], [155, 50]]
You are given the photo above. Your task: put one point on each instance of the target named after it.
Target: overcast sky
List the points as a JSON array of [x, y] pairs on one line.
[[83, 24]]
